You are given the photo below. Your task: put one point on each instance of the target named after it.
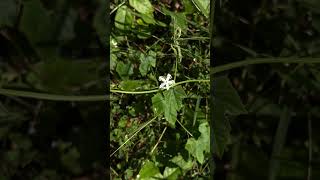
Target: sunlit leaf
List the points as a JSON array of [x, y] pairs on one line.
[[149, 171], [142, 6], [124, 18], [198, 147]]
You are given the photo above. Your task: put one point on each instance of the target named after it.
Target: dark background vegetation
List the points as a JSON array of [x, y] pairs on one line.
[[273, 140], [57, 47]]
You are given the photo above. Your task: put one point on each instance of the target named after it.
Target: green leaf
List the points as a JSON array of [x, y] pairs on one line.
[[203, 6], [169, 104], [228, 96], [124, 18], [8, 13], [131, 84], [147, 62], [198, 148], [124, 70], [142, 6], [188, 6], [204, 139], [178, 19], [158, 104], [171, 173], [148, 18], [184, 165], [173, 103], [149, 171]]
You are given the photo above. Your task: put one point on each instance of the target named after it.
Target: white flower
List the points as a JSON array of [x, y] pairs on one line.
[[166, 82]]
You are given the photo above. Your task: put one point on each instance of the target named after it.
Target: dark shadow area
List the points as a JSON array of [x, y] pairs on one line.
[[61, 48], [265, 117]]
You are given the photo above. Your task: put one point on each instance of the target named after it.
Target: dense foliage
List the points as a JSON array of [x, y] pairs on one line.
[[158, 132]]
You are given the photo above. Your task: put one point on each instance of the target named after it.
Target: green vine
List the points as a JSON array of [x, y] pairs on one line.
[[215, 70]]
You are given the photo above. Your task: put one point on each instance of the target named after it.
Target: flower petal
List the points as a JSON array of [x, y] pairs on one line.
[[161, 78], [162, 86], [168, 77]]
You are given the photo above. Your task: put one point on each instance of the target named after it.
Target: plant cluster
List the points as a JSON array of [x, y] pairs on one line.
[[160, 89]]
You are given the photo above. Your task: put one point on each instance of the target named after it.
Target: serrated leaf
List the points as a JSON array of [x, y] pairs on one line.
[[149, 171], [228, 96], [124, 18], [197, 148], [173, 103]]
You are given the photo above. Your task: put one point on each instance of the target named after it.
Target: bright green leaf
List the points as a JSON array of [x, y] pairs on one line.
[[203, 6], [171, 173], [142, 6], [123, 18], [184, 165], [149, 171], [198, 148]]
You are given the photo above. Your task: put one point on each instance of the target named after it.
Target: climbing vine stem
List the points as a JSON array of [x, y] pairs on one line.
[[215, 70]]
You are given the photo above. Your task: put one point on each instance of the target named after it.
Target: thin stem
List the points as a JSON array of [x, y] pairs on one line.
[[53, 97], [155, 146], [114, 171], [134, 92], [238, 64], [185, 128], [136, 132], [113, 10], [215, 70]]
